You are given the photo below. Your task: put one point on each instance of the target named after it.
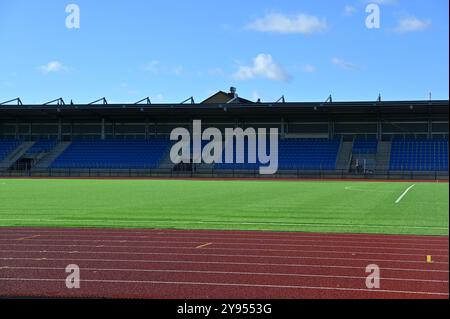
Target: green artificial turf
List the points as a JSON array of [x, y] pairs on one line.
[[357, 207]]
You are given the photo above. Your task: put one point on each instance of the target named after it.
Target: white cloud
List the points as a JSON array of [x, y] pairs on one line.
[[157, 68], [153, 66], [279, 23], [216, 72], [349, 10], [263, 66], [53, 66], [178, 70], [309, 68], [344, 64], [411, 24], [256, 95], [157, 98], [382, 2]]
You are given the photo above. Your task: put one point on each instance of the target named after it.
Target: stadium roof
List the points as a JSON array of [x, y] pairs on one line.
[[310, 111]]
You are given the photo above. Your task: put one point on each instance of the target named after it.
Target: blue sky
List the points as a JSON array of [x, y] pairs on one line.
[[170, 50]]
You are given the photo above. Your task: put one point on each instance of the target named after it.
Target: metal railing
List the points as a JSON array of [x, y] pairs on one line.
[[228, 173]]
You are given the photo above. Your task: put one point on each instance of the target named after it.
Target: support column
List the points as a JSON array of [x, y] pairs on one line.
[[331, 130], [16, 133], [379, 130], [59, 130], [103, 128]]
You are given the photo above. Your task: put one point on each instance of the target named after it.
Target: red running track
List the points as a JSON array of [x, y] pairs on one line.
[[188, 264]]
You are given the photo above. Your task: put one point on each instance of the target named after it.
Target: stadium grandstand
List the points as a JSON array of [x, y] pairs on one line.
[[368, 139]]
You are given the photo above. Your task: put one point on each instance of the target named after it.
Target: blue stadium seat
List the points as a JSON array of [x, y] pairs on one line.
[[365, 146], [113, 154], [7, 146], [42, 146], [303, 154], [419, 154]]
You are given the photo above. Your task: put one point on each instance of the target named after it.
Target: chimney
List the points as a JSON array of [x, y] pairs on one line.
[[233, 91]]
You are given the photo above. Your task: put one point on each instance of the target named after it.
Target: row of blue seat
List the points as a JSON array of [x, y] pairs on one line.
[[7, 146], [113, 153], [419, 154], [365, 146]]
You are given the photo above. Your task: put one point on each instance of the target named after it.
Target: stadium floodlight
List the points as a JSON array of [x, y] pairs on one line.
[[58, 101], [191, 99], [146, 100], [18, 100], [379, 98], [103, 100]]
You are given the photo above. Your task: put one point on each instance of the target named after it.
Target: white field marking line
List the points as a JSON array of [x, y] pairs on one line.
[[29, 237], [227, 285], [212, 255], [289, 235], [221, 273], [357, 189], [203, 239], [165, 222], [404, 193], [203, 246], [177, 262], [238, 244], [221, 248]]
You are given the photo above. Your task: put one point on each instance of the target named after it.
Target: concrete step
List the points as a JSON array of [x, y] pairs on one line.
[[384, 155], [45, 162], [15, 155], [344, 156]]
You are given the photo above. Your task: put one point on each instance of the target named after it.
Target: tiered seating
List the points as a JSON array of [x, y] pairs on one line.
[[113, 154], [42, 146], [7, 146], [419, 154], [365, 146], [240, 166], [303, 154], [308, 154]]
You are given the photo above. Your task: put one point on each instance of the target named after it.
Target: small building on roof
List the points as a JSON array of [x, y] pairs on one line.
[[223, 97]]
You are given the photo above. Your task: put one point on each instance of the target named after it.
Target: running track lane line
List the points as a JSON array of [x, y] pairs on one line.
[[103, 232], [222, 248], [229, 285], [214, 255], [443, 242], [210, 263], [234, 244], [221, 273], [404, 193]]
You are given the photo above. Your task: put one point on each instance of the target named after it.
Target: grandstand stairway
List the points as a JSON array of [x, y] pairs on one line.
[[383, 155], [344, 156], [45, 162], [15, 155]]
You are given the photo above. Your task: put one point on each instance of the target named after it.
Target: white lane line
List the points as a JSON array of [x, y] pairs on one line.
[[177, 262], [220, 284], [238, 244], [182, 271], [404, 193], [248, 241], [353, 252], [211, 255], [112, 222], [99, 232]]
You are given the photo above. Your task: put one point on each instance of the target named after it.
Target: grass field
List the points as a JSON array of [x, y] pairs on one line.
[[357, 207]]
